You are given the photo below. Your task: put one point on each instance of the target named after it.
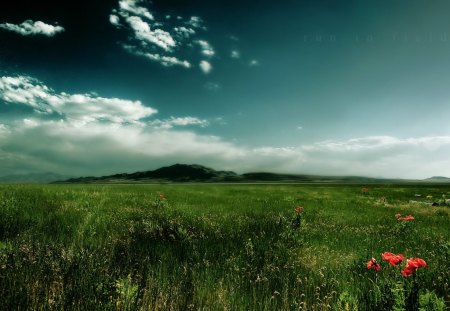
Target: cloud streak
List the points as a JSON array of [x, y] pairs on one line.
[[177, 122], [28, 28], [81, 134]]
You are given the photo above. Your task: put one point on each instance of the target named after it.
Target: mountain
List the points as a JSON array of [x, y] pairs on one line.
[[32, 178], [198, 173], [438, 179], [174, 173]]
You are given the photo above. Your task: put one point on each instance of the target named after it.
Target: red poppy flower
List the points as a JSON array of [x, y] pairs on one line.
[[365, 189], [407, 218], [299, 209], [412, 264], [372, 264], [392, 258]]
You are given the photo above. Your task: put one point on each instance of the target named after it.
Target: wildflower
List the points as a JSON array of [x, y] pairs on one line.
[[407, 218], [412, 264], [392, 258], [372, 264], [364, 190], [299, 209]]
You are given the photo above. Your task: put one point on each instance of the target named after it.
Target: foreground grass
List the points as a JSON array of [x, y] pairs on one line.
[[219, 247]]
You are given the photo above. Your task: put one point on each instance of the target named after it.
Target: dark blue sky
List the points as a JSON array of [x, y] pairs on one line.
[[354, 87]]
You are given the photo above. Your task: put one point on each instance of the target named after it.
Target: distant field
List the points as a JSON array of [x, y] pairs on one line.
[[221, 247]]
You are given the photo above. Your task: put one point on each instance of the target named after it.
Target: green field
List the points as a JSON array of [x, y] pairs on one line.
[[221, 247]]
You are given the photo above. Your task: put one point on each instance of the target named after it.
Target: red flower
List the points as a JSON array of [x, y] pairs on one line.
[[299, 209], [372, 264], [392, 258], [412, 264], [407, 218], [364, 190]]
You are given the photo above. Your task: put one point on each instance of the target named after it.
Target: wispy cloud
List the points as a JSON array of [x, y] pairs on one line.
[[212, 86], [206, 48], [144, 33], [164, 60], [235, 54], [196, 22], [133, 7], [177, 122], [183, 32], [158, 39], [205, 66], [79, 108], [29, 27], [59, 128]]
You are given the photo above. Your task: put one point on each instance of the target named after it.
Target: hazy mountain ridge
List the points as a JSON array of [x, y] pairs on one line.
[[199, 173], [33, 178], [174, 173], [438, 179]]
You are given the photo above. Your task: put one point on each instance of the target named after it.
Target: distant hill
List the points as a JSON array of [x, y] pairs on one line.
[[438, 179], [174, 173], [32, 178], [199, 173]]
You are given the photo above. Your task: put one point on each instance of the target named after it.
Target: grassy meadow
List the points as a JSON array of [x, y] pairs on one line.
[[221, 247]]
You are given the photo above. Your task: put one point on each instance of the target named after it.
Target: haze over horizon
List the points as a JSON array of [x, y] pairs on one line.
[[308, 87]]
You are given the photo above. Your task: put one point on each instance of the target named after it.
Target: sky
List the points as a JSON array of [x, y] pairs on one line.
[[314, 87]]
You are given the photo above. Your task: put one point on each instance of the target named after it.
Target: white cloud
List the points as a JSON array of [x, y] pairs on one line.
[[124, 145], [89, 134], [3, 129], [143, 32], [178, 121], [29, 27], [159, 40], [80, 108], [207, 49], [212, 86], [235, 54], [61, 146], [387, 156], [184, 32], [166, 61], [134, 7], [196, 22], [114, 19], [205, 66], [30, 123]]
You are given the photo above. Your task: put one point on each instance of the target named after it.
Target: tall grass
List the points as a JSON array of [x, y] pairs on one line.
[[219, 247]]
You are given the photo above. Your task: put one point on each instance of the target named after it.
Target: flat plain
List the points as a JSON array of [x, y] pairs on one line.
[[222, 247]]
